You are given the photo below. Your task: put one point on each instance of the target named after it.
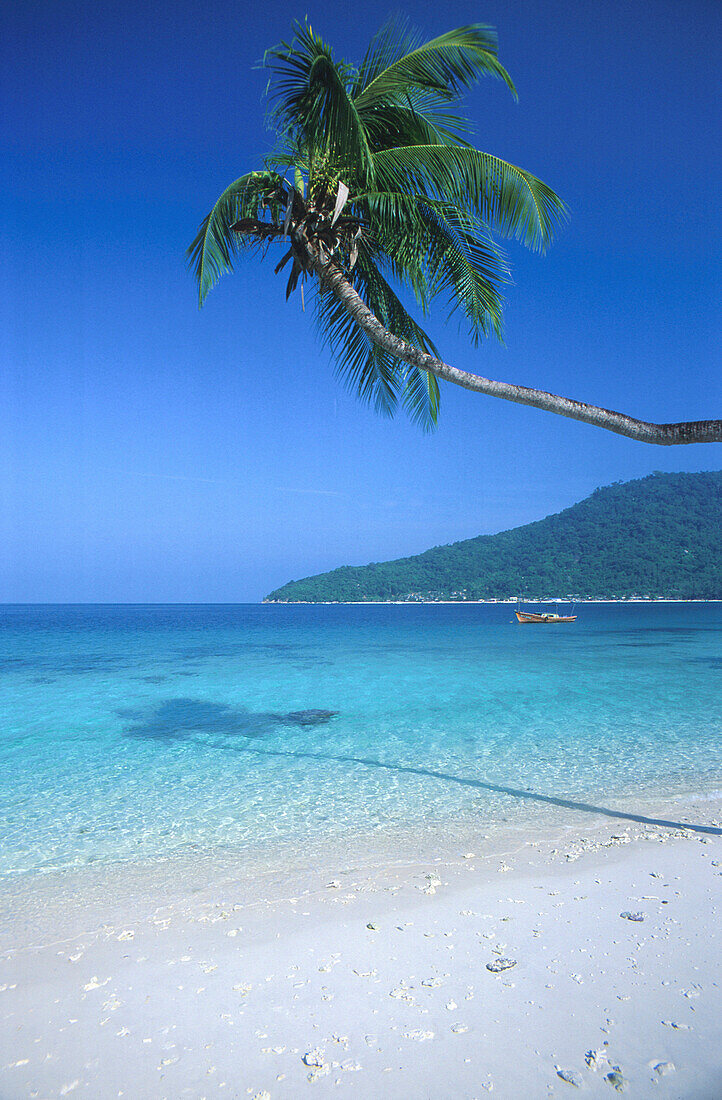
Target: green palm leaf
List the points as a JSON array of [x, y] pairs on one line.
[[508, 199], [467, 264], [394, 39], [374, 376], [415, 122], [363, 367], [312, 102], [434, 248], [212, 251], [446, 66]]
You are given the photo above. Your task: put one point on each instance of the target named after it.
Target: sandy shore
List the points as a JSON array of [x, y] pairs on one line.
[[187, 980]]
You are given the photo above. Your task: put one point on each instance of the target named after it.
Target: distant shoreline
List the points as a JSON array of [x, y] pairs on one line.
[[554, 599]]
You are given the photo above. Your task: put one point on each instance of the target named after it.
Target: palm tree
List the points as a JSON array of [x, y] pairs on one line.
[[373, 184]]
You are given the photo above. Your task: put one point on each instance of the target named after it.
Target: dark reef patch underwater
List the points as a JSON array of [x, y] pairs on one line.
[[180, 719]]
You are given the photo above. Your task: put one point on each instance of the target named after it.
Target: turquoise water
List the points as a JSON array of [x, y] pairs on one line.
[[132, 732]]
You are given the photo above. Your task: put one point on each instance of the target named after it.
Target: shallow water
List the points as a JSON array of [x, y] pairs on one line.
[[133, 732]]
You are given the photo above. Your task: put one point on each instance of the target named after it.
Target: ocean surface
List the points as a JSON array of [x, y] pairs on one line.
[[133, 732]]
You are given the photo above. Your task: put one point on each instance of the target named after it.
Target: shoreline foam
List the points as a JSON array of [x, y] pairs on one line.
[[385, 844]]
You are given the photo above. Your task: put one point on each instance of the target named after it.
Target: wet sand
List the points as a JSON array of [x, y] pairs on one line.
[[186, 979]]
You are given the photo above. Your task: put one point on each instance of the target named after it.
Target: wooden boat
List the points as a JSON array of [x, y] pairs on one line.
[[546, 617]]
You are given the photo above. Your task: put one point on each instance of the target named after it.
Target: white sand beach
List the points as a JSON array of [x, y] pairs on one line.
[[185, 978]]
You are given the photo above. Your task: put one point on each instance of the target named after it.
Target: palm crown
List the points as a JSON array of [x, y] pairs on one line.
[[373, 173]]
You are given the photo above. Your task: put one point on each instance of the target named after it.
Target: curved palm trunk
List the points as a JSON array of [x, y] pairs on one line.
[[696, 431]]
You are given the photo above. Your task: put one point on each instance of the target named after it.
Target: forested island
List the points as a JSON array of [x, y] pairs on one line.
[[657, 537]]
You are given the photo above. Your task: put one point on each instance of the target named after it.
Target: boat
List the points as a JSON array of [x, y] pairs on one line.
[[546, 617], [542, 616]]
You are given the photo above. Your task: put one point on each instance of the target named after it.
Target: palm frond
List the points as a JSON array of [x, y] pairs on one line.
[[446, 66], [362, 366], [287, 152], [395, 39], [212, 251], [311, 101], [421, 398], [513, 202], [434, 248], [397, 238], [368, 371], [416, 122], [384, 303], [466, 262]]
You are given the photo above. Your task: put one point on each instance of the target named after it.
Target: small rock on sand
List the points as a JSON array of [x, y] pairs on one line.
[[632, 916], [500, 964], [95, 983], [595, 1059], [616, 1080], [571, 1077], [314, 1057], [664, 1068]]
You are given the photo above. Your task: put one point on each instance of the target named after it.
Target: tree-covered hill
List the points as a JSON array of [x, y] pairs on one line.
[[659, 536]]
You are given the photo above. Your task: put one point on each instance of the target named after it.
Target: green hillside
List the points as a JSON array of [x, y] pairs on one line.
[[659, 536]]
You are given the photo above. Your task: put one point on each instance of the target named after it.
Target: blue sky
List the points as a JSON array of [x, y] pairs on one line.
[[152, 452]]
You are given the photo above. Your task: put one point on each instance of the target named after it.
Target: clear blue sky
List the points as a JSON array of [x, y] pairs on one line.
[[152, 452]]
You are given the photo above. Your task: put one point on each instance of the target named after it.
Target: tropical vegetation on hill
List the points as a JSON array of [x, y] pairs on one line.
[[373, 188], [657, 537]]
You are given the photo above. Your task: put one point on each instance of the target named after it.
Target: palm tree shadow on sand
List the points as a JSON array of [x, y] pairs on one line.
[[185, 719]]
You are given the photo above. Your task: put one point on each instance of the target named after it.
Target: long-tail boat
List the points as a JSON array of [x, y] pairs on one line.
[[545, 617]]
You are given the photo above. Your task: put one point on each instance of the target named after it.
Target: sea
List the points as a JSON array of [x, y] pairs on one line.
[[132, 733]]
